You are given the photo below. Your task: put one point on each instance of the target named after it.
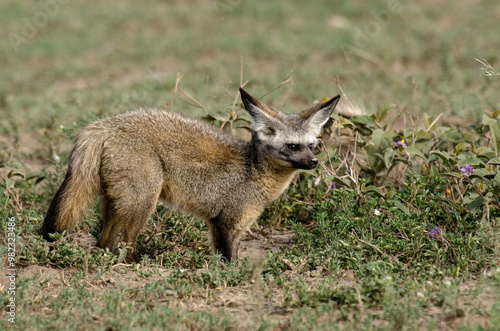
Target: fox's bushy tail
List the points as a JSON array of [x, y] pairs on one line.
[[80, 186]]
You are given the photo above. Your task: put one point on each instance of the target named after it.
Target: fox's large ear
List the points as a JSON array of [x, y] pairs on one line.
[[318, 115], [261, 114]]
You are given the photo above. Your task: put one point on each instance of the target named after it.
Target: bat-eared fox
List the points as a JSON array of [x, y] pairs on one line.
[[134, 159]]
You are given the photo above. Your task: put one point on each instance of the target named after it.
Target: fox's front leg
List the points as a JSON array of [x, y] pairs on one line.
[[225, 238]]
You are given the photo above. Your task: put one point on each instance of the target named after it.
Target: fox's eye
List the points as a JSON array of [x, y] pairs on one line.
[[293, 147], [311, 146]]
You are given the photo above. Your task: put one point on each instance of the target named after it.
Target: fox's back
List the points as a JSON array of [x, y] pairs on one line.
[[163, 132], [153, 126]]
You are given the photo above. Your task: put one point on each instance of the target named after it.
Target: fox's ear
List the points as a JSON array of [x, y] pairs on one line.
[[261, 114], [318, 115]]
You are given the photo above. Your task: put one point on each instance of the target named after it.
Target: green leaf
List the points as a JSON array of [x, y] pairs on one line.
[[414, 151], [362, 120], [472, 161], [494, 126], [494, 161], [8, 183], [381, 140], [434, 172], [56, 236], [478, 202], [14, 172], [424, 145], [37, 176], [390, 193], [373, 156], [459, 147], [249, 129], [342, 181], [242, 119], [450, 202], [496, 180], [122, 254], [402, 207], [11, 165], [443, 155], [481, 173], [495, 135], [388, 158], [486, 154], [453, 137], [430, 120], [383, 111], [488, 120], [422, 134], [372, 188], [212, 118]]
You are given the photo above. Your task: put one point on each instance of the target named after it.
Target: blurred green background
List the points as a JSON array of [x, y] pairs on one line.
[[65, 61]]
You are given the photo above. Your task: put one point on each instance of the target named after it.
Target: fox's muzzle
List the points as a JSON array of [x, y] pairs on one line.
[[311, 164], [306, 162]]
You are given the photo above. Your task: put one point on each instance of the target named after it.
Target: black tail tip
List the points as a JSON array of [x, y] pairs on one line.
[[44, 232], [49, 223]]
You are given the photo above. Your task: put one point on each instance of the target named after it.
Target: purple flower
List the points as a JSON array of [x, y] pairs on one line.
[[436, 233], [467, 170], [332, 186], [401, 143]]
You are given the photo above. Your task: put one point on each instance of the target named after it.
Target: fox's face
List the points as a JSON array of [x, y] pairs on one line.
[[288, 139]]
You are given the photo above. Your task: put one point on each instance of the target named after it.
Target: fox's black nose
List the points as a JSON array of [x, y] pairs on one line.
[[314, 161]]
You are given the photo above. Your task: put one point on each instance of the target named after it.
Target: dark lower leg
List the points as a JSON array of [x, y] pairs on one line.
[[224, 240]]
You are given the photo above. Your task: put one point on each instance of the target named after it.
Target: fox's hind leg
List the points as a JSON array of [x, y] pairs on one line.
[[138, 216], [123, 220], [130, 192], [111, 225], [225, 239]]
